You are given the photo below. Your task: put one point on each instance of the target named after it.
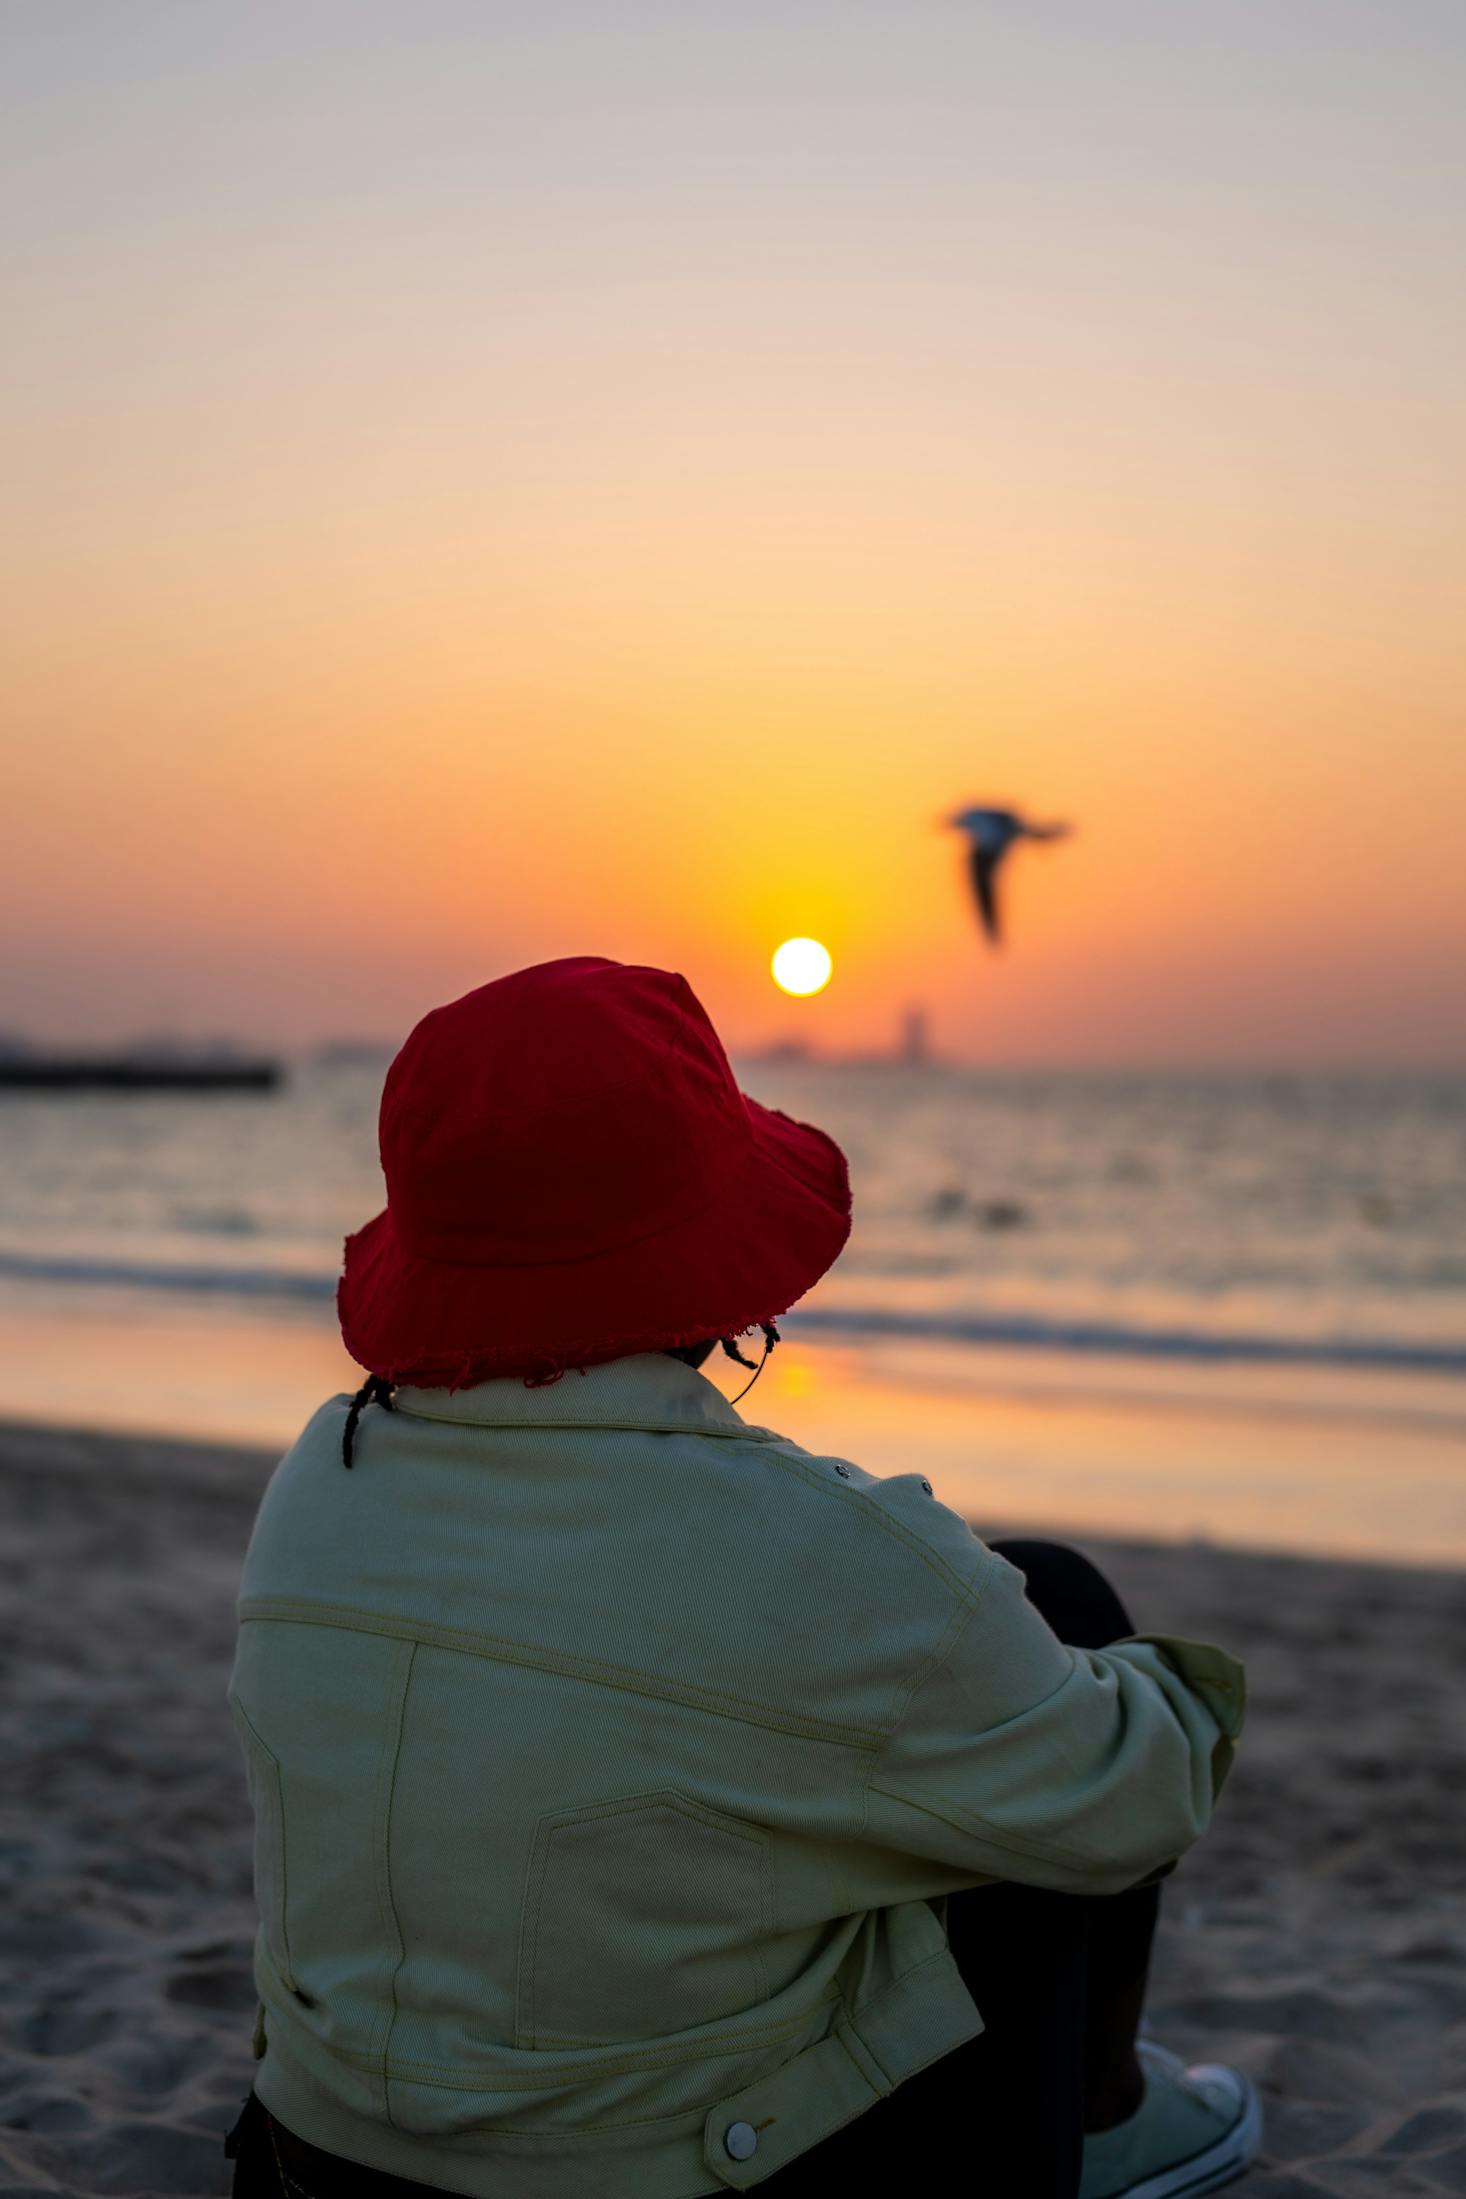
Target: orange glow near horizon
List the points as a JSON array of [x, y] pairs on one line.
[[529, 538]]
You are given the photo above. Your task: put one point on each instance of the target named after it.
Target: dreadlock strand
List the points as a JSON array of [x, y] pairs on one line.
[[376, 1390], [771, 1338]]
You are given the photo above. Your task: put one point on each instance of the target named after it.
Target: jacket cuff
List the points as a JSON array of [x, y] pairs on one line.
[[1216, 1679]]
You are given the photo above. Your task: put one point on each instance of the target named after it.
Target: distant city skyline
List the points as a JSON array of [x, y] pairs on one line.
[[556, 479]]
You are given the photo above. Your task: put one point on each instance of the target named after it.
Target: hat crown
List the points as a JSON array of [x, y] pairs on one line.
[[558, 1113]]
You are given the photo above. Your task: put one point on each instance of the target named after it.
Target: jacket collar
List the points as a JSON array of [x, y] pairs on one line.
[[647, 1390]]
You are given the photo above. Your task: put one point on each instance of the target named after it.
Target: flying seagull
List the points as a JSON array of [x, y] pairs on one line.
[[990, 834]]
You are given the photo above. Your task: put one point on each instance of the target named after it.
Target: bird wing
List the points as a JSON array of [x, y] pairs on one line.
[[984, 865]]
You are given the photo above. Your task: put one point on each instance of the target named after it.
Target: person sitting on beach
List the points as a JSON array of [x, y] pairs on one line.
[[644, 1806]]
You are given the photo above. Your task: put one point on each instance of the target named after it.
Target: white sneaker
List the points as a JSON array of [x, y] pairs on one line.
[[1195, 2130]]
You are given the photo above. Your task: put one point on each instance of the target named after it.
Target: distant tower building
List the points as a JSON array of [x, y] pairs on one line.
[[914, 1046]]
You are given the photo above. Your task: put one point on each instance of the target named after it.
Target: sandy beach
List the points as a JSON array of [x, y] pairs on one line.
[[1318, 1936]]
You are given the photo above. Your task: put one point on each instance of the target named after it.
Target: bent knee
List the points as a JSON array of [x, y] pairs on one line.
[[1069, 1589]]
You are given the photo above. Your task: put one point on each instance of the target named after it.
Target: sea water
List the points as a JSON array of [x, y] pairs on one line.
[[1294, 1242]]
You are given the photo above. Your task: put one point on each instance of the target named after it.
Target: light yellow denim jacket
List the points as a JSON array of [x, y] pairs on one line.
[[611, 1761]]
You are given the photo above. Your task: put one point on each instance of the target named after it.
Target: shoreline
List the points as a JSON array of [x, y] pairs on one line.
[[215, 1470], [1340, 1463], [1316, 1936]]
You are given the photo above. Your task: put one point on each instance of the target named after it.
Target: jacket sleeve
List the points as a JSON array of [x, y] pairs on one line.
[[1082, 1770]]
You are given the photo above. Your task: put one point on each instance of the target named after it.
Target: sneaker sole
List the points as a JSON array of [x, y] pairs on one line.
[[1222, 2162]]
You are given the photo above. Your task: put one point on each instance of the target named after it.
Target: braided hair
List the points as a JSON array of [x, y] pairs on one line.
[[374, 1391], [729, 1344]]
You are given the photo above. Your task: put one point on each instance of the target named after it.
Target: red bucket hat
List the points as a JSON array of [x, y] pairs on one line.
[[574, 1175]]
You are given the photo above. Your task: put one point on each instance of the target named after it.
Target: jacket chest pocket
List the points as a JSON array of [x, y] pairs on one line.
[[262, 1770], [642, 1915]]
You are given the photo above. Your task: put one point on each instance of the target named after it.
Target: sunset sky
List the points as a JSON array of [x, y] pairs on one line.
[[488, 482]]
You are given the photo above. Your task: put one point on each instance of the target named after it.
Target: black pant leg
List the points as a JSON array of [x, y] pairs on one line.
[[1001, 2116], [1083, 1608], [1070, 1591], [1012, 2099], [272, 2163]]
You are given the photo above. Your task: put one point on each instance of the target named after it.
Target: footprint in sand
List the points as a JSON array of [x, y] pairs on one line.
[[1429, 2130], [153, 2062], [42, 2111], [226, 1987], [161, 2159], [63, 2027]]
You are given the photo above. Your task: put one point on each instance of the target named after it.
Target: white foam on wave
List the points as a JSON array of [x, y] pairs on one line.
[[1010, 1331]]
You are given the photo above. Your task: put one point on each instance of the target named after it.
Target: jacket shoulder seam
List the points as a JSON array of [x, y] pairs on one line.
[[802, 1464]]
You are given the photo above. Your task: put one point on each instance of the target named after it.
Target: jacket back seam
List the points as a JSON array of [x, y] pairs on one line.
[[385, 2058], [492, 1649]]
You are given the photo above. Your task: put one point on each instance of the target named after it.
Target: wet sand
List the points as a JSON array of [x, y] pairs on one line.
[[1332, 1461], [1317, 1936]]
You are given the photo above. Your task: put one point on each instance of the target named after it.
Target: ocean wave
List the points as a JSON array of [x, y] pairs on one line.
[[1036, 1332], [1043, 1333]]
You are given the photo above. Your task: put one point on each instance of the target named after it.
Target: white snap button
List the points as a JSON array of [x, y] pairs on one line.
[[741, 2141]]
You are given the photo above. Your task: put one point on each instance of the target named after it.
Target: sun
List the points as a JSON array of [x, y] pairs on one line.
[[802, 966]]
